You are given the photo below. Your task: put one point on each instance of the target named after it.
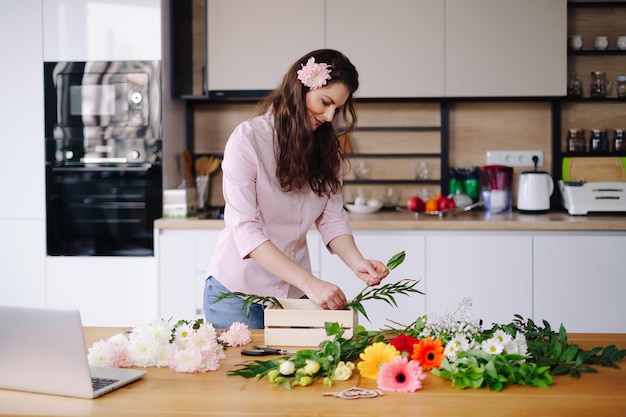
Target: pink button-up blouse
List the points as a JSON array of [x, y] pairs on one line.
[[258, 210]]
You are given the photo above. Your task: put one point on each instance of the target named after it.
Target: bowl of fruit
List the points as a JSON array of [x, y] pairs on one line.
[[439, 205]]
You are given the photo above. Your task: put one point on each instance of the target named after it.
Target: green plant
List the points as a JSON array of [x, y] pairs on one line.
[[551, 349], [329, 355]]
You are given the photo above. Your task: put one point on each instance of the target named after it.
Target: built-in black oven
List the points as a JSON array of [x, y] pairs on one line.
[[103, 210], [103, 133]]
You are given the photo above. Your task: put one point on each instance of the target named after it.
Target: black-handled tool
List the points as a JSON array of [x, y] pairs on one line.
[[262, 350]]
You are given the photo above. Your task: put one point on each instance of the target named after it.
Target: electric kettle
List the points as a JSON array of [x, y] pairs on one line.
[[535, 189]]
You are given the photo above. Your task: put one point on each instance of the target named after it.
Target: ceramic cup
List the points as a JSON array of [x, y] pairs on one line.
[[576, 42], [621, 43], [601, 43]]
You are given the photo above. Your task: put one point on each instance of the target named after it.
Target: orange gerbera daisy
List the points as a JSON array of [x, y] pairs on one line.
[[374, 356], [428, 353]]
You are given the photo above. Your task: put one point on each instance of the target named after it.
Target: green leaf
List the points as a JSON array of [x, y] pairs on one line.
[[569, 354], [396, 260]]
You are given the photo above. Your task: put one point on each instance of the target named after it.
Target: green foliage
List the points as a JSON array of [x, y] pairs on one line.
[[478, 369], [328, 354], [551, 349], [384, 292], [248, 300]]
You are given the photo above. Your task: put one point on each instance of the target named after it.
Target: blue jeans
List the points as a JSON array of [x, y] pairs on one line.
[[223, 313]]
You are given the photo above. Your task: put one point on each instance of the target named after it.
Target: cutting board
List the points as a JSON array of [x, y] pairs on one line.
[[594, 169]]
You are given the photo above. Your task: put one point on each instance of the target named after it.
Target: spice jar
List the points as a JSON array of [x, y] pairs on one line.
[[576, 140], [598, 141], [600, 87], [619, 141], [574, 86], [621, 86]]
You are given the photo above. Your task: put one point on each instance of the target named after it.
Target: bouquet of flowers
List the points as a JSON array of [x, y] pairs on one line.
[[453, 346], [187, 346]]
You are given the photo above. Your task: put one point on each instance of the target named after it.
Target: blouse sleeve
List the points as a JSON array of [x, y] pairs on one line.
[[240, 168]]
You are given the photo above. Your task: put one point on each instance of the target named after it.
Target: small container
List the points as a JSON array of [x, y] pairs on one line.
[[600, 87], [619, 141], [576, 42], [601, 43], [574, 86], [576, 140], [621, 86], [598, 141]]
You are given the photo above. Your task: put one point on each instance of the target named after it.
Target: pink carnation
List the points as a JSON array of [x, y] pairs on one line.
[[237, 335], [314, 75]]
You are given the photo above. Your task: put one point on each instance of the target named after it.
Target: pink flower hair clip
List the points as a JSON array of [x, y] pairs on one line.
[[314, 75]]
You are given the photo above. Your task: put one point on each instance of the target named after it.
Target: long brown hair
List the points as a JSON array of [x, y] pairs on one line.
[[302, 156]]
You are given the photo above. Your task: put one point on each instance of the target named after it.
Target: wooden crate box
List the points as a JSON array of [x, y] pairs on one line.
[[301, 323]]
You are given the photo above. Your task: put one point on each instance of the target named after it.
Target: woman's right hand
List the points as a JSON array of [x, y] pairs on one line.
[[325, 294]]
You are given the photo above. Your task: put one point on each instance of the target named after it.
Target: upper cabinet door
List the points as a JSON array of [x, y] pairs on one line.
[[499, 48], [96, 30], [252, 44], [396, 45]]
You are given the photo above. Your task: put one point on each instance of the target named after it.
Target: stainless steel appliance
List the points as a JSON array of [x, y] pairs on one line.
[[103, 156]]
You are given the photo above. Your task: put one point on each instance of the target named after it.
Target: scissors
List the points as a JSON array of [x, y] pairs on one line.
[[262, 350]]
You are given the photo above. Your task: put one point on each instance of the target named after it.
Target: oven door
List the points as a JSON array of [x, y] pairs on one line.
[[103, 210]]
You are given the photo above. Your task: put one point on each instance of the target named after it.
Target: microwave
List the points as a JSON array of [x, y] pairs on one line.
[[102, 111], [104, 93]]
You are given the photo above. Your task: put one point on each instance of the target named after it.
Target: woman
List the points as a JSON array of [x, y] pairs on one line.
[[282, 174]]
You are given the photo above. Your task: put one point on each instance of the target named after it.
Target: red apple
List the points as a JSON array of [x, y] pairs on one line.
[[446, 203], [415, 204]]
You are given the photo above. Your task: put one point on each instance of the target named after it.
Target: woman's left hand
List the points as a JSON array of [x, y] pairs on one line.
[[371, 272]]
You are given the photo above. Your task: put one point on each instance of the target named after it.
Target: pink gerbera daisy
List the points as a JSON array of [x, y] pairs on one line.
[[400, 375]]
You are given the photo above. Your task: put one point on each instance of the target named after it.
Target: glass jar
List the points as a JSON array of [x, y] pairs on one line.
[[598, 85], [619, 141], [621, 86], [575, 140], [598, 141], [574, 85]]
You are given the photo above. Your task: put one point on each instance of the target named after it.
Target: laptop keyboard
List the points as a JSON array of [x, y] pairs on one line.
[[98, 383]]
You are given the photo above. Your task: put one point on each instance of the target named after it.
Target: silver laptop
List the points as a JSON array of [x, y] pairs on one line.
[[42, 350]]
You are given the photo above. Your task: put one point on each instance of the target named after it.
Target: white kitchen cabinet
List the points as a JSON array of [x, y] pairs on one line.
[[22, 266], [382, 245], [580, 281], [108, 291], [498, 48], [95, 30], [251, 43], [183, 259], [493, 269], [22, 175], [396, 45]]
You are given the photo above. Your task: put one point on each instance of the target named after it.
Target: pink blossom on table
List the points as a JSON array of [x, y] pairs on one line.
[[238, 334], [314, 75], [186, 360], [102, 354], [400, 375]]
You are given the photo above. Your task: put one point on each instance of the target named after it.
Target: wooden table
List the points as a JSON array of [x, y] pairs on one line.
[[165, 392]]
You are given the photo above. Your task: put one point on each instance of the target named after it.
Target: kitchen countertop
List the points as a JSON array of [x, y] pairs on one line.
[[164, 392], [475, 220]]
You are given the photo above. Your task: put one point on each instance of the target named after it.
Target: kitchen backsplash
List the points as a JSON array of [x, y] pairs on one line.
[[474, 128]]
